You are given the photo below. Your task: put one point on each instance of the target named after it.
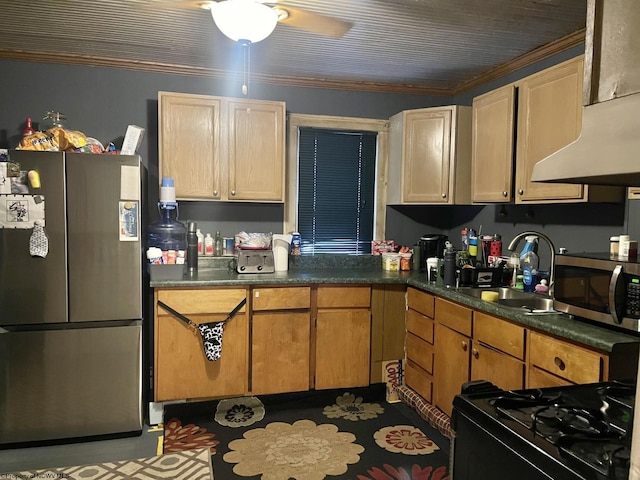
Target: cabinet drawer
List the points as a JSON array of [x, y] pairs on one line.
[[420, 325], [420, 301], [418, 380], [202, 300], [420, 352], [285, 298], [344, 296], [499, 334], [454, 316], [563, 359]]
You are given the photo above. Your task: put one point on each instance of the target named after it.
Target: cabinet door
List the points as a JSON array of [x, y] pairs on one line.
[[540, 379], [181, 368], [493, 128], [256, 150], [343, 339], [426, 157], [280, 352], [549, 118], [189, 144], [451, 366], [496, 367]]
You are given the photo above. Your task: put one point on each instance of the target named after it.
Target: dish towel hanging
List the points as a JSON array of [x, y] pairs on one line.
[[38, 242], [210, 333]]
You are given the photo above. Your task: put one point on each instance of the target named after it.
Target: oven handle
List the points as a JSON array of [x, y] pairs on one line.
[[613, 308]]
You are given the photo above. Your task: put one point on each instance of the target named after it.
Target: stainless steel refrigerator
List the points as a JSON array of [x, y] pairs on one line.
[[70, 314]]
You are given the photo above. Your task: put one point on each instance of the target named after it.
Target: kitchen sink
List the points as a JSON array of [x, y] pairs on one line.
[[532, 303]]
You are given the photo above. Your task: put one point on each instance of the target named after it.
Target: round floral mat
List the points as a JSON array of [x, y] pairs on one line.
[[351, 433]]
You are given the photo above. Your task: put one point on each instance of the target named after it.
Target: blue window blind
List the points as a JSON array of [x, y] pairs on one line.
[[336, 190]]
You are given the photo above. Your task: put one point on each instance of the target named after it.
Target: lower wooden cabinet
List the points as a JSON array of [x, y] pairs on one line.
[[280, 339], [418, 368], [342, 337], [273, 345], [280, 352], [558, 362], [472, 345], [387, 326], [181, 368]]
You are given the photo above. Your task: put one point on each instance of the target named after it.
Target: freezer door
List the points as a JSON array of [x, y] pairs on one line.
[[57, 384], [33, 290], [105, 267]]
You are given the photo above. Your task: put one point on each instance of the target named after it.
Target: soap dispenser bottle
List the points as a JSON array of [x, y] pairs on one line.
[[530, 262]]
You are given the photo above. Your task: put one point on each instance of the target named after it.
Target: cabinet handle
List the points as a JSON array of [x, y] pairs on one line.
[[504, 194], [444, 195], [520, 191], [463, 344], [233, 192], [215, 193], [475, 352], [559, 363]]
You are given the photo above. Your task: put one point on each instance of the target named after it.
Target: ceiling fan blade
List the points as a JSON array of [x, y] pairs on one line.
[[312, 22]]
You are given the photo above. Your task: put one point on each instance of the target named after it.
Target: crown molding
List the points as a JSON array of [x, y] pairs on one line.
[[304, 82]]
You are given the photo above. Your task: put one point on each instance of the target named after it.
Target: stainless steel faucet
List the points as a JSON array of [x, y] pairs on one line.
[[514, 243]]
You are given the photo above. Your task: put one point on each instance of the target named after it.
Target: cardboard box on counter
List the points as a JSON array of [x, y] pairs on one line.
[[132, 140]]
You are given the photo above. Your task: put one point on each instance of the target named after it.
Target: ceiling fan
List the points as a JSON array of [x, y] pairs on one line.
[[294, 17]]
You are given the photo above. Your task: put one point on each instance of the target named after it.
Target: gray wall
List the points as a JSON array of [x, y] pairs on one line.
[[101, 102]]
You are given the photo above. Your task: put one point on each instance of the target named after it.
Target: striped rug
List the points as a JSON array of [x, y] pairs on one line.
[[186, 465]]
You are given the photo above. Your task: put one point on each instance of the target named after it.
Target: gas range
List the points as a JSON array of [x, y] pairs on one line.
[[578, 432]]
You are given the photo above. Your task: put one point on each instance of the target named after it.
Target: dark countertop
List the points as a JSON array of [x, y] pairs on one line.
[[561, 325]]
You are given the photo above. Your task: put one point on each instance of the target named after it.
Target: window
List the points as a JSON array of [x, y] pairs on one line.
[[336, 189], [355, 186]]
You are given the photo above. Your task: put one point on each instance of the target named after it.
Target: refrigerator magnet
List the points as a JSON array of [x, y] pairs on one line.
[[128, 215]]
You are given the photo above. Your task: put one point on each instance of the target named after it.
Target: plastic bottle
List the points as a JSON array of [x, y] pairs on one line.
[[208, 245], [217, 245], [530, 262], [200, 241], [168, 233], [514, 262], [28, 128]]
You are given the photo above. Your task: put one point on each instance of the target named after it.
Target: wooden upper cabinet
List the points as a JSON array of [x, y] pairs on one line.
[[256, 150], [493, 120], [430, 156], [517, 125], [219, 148], [549, 118], [189, 144]]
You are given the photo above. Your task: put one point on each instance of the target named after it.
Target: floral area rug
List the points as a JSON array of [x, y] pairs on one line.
[[351, 434]]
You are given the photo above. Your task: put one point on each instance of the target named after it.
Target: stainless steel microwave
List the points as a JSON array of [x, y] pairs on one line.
[[598, 287]]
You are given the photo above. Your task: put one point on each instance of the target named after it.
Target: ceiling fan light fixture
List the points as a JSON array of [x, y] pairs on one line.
[[244, 19]]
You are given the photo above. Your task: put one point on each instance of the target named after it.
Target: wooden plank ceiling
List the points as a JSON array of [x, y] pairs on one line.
[[408, 46]]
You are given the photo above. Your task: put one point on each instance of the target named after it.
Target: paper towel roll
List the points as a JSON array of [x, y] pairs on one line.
[[281, 252]]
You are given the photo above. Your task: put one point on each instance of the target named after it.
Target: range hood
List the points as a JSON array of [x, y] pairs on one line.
[[608, 149]]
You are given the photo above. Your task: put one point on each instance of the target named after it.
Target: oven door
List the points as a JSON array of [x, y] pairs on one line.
[[597, 289]]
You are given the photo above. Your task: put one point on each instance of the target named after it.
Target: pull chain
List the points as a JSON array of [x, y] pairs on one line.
[[246, 50]]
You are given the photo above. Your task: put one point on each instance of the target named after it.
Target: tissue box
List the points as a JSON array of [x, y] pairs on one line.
[[132, 140]]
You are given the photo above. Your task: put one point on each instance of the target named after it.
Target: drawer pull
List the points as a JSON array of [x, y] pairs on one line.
[[475, 352], [559, 363], [463, 344]]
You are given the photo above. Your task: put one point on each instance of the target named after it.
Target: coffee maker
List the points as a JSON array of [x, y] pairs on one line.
[[431, 245]]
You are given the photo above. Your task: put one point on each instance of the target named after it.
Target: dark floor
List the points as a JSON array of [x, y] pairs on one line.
[[82, 453]]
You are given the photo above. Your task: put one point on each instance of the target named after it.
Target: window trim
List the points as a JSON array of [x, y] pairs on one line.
[[381, 127]]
